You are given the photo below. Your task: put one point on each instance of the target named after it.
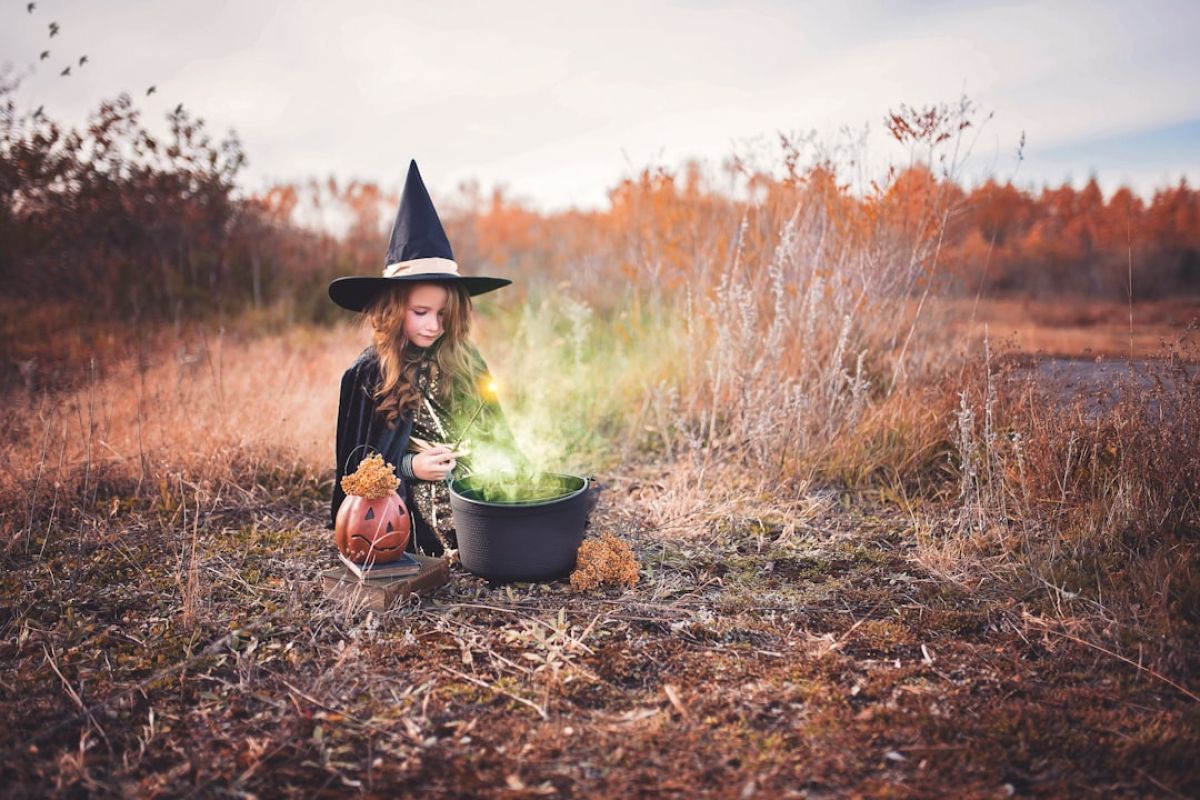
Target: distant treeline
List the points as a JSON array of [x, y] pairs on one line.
[[114, 223]]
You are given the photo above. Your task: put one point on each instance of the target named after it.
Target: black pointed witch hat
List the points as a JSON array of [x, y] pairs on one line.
[[417, 251]]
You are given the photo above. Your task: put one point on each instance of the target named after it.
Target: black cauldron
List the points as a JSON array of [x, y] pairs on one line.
[[512, 540]]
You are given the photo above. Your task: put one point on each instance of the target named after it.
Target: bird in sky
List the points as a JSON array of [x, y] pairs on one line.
[[65, 72], [53, 29], [179, 108], [151, 90], [31, 7], [38, 114], [83, 60], [45, 55]]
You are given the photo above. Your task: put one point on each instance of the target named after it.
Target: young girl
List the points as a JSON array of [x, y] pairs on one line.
[[418, 395]]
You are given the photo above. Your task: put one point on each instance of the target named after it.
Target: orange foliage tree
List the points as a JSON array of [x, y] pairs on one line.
[[120, 223]]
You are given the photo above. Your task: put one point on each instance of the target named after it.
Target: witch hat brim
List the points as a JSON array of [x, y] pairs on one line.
[[418, 250], [356, 293]]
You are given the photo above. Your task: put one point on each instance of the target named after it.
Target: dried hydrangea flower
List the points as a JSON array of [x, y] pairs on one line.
[[604, 560], [374, 478]]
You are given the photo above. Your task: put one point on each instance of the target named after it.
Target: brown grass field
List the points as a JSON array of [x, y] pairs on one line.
[[893, 540], [894, 605], [1076, 327]]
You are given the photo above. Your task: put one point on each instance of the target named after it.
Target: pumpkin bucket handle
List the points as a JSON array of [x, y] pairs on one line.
[[346, 466]]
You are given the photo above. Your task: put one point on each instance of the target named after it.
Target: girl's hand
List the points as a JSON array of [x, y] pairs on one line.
[[434, 464]]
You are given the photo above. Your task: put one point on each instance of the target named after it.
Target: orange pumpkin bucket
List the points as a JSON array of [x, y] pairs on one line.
[[373, 524]]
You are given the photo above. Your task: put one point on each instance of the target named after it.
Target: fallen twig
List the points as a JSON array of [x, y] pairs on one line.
[[1120, 657], [72, 693], [539, 709]]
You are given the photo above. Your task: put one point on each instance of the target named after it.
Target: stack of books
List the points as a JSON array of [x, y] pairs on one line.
[[380, 586]]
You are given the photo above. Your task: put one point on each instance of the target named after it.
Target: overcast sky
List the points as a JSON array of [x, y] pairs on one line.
[[559, 100]]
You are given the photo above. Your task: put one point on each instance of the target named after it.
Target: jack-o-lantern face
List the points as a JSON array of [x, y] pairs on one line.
[[370, 530]]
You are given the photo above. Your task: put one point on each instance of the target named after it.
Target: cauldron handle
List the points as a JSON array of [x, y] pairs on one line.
[[593, 491]]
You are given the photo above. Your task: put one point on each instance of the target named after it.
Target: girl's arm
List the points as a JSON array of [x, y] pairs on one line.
[[435, 464]]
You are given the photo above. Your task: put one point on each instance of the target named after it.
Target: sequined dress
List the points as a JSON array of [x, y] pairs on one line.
[[432, 423]]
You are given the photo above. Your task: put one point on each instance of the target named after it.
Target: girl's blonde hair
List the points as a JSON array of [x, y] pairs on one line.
[[399, 362]]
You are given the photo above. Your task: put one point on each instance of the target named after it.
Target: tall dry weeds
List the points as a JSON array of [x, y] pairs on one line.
[[789, 354], [207, 415], [1091, 502]]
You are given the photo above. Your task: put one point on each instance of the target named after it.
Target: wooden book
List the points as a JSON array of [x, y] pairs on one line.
[[380, 594]]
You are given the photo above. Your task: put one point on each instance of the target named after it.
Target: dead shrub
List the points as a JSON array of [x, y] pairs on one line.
[[1095, 500]]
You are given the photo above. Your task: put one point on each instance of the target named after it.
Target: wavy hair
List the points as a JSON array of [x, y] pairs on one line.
[[400, 360]]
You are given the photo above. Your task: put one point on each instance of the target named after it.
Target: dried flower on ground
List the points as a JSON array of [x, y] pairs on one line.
[[374, 478], [604, 560]]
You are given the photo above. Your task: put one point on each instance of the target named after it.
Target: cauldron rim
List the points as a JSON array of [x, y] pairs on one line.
[[524, 504]]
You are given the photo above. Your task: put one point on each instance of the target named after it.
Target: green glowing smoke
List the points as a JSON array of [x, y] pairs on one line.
[[572, 384]]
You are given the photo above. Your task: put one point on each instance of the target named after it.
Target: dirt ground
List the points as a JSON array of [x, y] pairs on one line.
[[150, 650]]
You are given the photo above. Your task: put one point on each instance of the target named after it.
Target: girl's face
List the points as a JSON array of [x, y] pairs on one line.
[[423, 313]]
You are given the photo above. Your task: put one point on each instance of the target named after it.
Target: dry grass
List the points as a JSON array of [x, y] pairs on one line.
[[163, 632], [863, 552], [765, 650], [1072, 327], [1089, 497], [204, 416]]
